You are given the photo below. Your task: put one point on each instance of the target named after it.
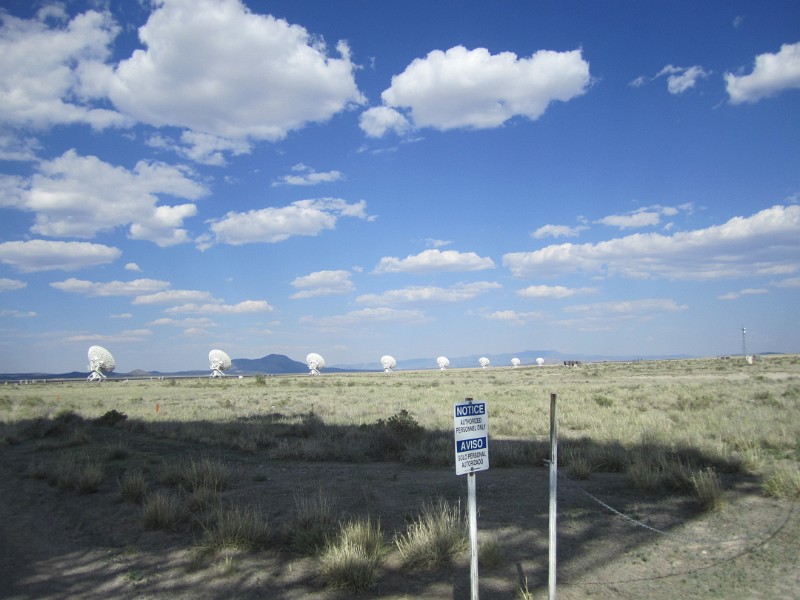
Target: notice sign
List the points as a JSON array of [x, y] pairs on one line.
[[472, 437]]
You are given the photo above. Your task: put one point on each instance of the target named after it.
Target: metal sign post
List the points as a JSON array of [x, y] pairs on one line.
[[553, 487], [472, 454]]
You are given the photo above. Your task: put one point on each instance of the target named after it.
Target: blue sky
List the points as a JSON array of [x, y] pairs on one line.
[[408, 178]]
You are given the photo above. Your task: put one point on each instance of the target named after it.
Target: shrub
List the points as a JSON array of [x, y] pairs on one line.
[[352, 560], [434, 538], [235, 528], [161, 510], [707, 489], [133, 487], [110, 418], [490, 553], [193, 474], [782, 482], [118, 450], [314, 523]]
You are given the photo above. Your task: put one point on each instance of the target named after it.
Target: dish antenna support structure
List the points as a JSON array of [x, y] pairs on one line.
[[100, 362], [315, 362], [483, 362], [388, 363], [515, 362], [540, 361], [443, 363], [220, 362]]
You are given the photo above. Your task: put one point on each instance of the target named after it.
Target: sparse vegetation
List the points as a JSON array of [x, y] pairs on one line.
[[314, 523], [234, 527], [351, 560], [161, 510], [639, 436], [133, 487], [435, 537]]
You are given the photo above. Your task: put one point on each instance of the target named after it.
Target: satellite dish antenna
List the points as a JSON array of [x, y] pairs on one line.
[[483, 362], [100, 363], [388, 363], [540, 361], [315, 362], [515, 362], [443, 363], [220, 362]]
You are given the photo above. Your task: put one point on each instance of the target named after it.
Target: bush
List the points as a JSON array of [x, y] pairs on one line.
[[161, 510], [235, 528], [352, 561], [133, 487], [435, 538], [708, 489], [782, 482], [111, 418], [193, 474], [314, 524]]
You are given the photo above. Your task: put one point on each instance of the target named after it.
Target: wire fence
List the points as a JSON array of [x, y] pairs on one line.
[[759, 539]]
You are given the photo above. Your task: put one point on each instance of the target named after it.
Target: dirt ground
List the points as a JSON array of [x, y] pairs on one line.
[[57, 544]]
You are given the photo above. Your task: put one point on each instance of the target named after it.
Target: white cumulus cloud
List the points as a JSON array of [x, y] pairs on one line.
[[765, 243], [556, 231], [135, 287], [432, 294], [46, 255], [80, 196], [474, 89], [323, 283], [435, 261], [772, 74], [272, 225], [215, 67], [47, 65], [245, 307], [553, 291], [8, 285], [305, 175]]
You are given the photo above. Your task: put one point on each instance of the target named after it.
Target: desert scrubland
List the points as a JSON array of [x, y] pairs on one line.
[[677, 479]]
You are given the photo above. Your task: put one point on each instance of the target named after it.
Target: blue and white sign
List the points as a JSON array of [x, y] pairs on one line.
[[471, 437]]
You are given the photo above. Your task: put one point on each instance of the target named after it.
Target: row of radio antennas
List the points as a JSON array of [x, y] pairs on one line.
[[101, 361]]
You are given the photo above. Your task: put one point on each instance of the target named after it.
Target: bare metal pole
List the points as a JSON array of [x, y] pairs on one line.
[[473, 536], [551, 584]]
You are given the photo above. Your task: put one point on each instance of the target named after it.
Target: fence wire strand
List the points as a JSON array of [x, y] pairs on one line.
[[679, 537]]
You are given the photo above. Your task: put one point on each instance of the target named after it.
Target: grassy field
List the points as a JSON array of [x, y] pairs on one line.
[[297, 486]]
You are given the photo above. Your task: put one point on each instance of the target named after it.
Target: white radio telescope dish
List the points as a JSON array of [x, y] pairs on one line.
[[220, 362], [515, 362], [540, 361], [483, 362], [388, 363], [100, 363], [315, 362], [443, 362]]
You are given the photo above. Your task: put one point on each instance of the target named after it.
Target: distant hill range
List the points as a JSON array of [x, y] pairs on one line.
[[272, 364], [278, 364]]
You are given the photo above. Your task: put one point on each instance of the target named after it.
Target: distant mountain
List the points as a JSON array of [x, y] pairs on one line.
[[278, 364], [272, 364]]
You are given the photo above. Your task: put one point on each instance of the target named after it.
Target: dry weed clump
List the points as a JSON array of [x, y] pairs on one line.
[[162, 510], [782, 481], [133, 487], [194, 474], [235, 527], [69, 472], [708, 489], [314, 524], [435, 538], [352, 559]]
